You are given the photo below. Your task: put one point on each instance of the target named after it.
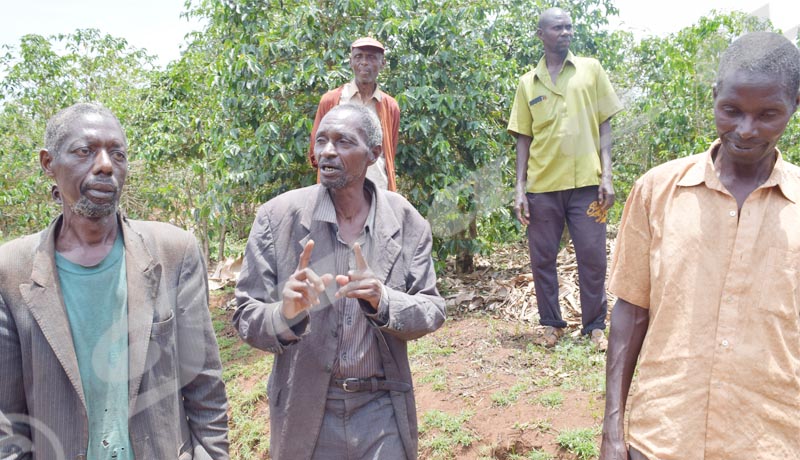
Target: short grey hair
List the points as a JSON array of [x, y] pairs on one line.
[[368, 122], [59, 125], [765, 53]]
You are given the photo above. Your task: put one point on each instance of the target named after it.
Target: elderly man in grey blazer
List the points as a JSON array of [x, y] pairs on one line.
[[337, 278], [106, 344]]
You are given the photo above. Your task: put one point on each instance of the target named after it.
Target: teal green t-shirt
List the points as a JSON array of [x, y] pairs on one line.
[[96, 299]]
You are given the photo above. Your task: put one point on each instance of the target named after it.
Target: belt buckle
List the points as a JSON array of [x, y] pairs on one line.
[[350, 381]]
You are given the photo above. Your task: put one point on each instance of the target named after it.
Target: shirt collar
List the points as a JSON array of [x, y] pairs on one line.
[[704, 172], [541, 66], [351, 90], [326, 211]]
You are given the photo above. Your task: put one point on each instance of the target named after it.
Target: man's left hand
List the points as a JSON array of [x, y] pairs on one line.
[[605, 194], [360, 283]]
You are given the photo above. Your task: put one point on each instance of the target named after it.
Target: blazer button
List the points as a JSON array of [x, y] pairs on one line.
[[80, 457], [335, 333], [328, 368]]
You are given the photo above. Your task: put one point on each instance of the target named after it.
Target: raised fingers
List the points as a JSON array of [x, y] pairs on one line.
[[361, 262], [305, 257]]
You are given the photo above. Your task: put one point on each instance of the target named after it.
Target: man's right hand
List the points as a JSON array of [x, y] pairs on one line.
[[521, 208], [302, 290]]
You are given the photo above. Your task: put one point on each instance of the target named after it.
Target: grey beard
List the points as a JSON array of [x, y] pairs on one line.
[[336, 184], [87, 208]]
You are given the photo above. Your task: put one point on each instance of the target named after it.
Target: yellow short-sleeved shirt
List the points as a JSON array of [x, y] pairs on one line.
[[719, 370], [564, 121]]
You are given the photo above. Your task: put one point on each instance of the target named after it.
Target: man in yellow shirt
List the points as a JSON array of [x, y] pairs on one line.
[[561, 120], [707, 272]]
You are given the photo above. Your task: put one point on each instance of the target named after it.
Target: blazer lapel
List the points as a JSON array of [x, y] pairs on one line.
[[386, 246], [143, 277], [43, 296], [322, 258]]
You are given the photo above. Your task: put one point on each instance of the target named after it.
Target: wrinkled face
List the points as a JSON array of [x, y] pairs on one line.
[[556, 33], [751, 111], [366, 63], [341, 150], [90, 166]]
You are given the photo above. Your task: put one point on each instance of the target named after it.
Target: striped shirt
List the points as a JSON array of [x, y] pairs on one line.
[[358, 354]]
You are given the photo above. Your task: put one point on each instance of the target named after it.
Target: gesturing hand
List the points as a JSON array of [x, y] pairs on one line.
[[302, 290], [360, 283]]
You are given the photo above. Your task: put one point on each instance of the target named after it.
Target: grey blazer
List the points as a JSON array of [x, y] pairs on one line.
[[177, 403], [301, 372]]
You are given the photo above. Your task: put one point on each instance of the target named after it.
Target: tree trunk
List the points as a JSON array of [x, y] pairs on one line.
[[465, 262]]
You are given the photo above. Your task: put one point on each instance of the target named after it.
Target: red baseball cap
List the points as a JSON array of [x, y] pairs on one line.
[[367, 42]]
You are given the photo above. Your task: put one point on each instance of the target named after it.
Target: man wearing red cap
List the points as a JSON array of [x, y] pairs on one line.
[[366, 60]]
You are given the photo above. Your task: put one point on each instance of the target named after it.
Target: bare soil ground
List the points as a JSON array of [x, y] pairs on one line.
[[483, 389]]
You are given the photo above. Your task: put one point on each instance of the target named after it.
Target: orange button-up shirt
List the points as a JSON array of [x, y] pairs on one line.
[[719, 370]]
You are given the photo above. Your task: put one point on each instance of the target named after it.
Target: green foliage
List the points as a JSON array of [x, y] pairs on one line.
[[669, 98], [43, 75], [279, 57], [227, 126]]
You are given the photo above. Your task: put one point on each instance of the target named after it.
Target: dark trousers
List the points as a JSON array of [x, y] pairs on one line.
[[548, 213], [358, 426]]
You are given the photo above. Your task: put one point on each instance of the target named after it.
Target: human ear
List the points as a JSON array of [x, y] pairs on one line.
[[46, 161], [375, 153]]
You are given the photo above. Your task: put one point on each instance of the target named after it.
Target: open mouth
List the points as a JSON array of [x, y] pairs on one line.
[[328, 168]]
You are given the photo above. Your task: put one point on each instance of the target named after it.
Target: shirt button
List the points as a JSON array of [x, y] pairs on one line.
[[725, 343], [732, 213]]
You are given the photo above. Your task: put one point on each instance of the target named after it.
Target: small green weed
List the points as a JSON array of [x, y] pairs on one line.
[[541, 425], [441, 433], [437, 378], [551, 399], [427, 346], [537, 454], [507, 397], [580, 442]]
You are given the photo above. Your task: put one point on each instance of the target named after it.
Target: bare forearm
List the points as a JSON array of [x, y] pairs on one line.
[[628, 329], [605, 149], [523, 154]]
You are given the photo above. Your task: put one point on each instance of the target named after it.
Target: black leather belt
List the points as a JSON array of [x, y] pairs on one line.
[[373, 384]]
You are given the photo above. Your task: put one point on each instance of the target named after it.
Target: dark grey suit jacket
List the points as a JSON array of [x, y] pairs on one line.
[[298, 384], [177, 403]]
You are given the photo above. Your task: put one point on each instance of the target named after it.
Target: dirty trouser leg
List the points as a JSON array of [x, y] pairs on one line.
[[546, 224], [587, 228]]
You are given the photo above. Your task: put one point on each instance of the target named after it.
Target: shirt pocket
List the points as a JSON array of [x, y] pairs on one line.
[[779, 282], [542, 108]]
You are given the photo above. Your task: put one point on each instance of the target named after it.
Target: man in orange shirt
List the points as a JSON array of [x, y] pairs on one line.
[[707, 272], [366, 60]]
